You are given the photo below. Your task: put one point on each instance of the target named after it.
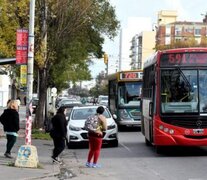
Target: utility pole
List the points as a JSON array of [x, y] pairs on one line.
[[30, 64], [27, 154]]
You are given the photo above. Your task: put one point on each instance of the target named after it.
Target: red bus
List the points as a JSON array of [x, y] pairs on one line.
[[174, 102]]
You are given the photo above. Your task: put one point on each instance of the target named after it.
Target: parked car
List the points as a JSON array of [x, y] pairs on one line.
[[75, 128], [64, 102]]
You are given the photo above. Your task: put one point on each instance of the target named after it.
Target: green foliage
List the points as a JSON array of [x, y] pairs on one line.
[[76, 30], [101, 86], [40, 134], [14, 15], [190, 42]]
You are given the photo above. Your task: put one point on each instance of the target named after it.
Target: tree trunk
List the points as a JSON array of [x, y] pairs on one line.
[[40, 114]]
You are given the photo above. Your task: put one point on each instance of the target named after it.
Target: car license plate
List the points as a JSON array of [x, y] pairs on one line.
[[198, 131]]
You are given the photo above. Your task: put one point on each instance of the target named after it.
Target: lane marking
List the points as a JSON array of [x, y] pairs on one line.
[[125, 147]]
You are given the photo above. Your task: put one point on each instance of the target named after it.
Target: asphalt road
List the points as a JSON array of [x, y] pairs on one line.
[[133, 160]]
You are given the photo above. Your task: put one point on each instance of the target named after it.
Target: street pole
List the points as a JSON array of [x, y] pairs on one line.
[[30, 65], [27, 154]]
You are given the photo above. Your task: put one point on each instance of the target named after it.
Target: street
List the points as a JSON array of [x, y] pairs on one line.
[[134, 160]]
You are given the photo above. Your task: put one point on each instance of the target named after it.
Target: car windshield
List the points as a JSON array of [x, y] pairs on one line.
[[183, 91], [83, 113]]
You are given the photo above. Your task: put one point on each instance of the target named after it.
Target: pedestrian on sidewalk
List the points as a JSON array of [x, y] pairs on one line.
[[95, 139], [10, 121], [58, 133]]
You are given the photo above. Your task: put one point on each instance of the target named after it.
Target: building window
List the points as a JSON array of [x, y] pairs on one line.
[[178, 31], [189, 30], [167, 40], [197, 32], [168, 31]]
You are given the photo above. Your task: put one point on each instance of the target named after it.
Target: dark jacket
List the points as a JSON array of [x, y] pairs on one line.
[[59, 124], [10, 120]]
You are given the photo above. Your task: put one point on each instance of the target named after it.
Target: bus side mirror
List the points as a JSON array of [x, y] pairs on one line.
[[150, 109]]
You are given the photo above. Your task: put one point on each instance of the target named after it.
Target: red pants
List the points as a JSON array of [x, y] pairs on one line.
[[95, 144]]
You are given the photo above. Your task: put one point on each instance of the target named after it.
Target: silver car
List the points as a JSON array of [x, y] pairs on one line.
[[75, 128]]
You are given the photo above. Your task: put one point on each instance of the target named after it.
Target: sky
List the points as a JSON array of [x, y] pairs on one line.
[[188, 10]]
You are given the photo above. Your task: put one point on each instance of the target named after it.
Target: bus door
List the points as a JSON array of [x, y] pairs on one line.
[[149, 109]]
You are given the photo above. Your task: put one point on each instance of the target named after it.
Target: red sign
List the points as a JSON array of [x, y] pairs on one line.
[[22, 46], [184, 59], [22, 37]]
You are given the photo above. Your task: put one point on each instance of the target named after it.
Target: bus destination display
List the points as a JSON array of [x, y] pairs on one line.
[[130, 75], [183, 59]]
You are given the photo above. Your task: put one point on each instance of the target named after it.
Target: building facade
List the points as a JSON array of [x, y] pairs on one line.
[[170, 31], [143, 45]]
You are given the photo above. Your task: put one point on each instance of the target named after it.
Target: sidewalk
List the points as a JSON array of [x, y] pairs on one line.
[[47, 169], [71, 168]]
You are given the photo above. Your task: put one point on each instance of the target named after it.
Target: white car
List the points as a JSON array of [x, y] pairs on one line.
[[75, 128]]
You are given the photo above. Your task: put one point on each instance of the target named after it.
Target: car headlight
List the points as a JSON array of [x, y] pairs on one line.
[[112, 126], [73, 128]]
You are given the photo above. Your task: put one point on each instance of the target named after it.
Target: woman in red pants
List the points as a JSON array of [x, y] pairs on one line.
[[95, 139]]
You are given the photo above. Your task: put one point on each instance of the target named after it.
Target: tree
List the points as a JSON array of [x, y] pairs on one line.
[[67, 33], [14, 15], [75, 30], [189, 42]]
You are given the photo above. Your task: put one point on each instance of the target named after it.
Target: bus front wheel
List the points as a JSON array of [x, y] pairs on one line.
[[147, 142], [159, 149]]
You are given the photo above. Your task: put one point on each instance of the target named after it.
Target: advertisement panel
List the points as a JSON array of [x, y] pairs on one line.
[[21, 46]]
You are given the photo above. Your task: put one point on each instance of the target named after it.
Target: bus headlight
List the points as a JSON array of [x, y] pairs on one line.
[[124, 114], [171, 131], [166, 129]]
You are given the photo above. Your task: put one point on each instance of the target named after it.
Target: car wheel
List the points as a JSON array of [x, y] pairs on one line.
[[115, 143], [69, 144]]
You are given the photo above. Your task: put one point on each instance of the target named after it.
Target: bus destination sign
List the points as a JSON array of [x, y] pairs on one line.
[[184, 59], [130, 75]]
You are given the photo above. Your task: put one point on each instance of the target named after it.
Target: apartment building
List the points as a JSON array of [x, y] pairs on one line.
[[169, 30], [142, 47]]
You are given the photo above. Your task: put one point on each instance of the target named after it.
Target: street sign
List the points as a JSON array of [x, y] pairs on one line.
[[22, 46]]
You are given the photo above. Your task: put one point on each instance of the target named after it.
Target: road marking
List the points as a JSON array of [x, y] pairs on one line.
[[125, 147]]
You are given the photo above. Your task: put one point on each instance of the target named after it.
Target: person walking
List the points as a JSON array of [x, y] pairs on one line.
[[58, 133], [95, 139], [10, 121]]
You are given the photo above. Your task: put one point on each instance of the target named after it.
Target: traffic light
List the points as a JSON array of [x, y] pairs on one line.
[[106, 58]]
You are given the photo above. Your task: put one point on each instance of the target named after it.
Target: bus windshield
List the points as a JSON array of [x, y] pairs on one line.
[[130, 93], [183, 91]]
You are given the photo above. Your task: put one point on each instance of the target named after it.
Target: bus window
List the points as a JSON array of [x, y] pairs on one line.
[[202, 90], [130, 93], [179, 91]]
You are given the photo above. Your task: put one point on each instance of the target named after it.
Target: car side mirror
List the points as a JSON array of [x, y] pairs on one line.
[[114, 116]]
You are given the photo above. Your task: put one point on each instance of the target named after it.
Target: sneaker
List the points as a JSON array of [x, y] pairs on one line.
[[8, 155], [88, 164], [55, 160], [94, 165]]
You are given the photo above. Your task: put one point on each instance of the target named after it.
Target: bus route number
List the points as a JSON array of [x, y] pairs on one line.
[[129, 75]]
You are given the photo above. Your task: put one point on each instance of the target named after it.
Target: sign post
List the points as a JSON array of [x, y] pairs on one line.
[[27, 154]]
